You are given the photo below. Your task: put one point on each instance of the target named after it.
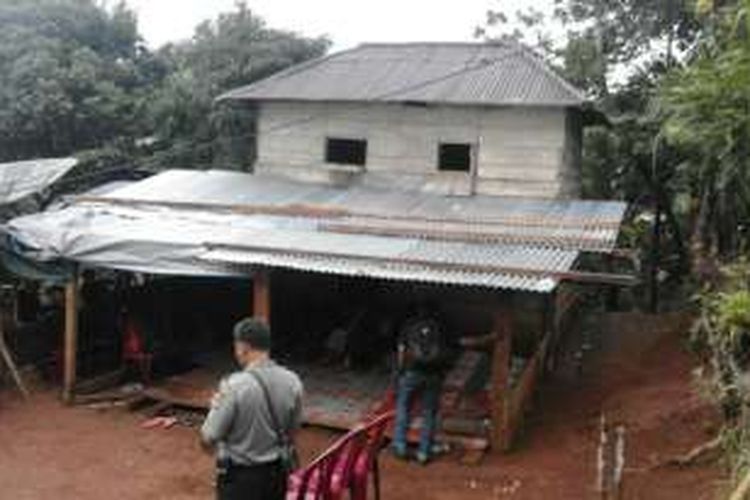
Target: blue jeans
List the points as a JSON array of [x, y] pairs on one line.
[[428, 385]]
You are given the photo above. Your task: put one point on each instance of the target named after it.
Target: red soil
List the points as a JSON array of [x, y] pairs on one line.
[[642, 380]]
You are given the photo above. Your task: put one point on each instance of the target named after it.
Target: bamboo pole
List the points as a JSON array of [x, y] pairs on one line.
[[71, 338], [8, 359]]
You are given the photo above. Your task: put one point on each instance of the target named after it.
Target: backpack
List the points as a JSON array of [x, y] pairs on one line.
[[424, 342]]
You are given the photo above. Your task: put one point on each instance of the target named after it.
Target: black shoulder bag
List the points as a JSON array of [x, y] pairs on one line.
[[287, 451]]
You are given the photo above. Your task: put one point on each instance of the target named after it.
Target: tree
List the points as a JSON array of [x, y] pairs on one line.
[[72, 76], [594, 42], [628, 30], [236, 49], [708, 106], [617, 52]]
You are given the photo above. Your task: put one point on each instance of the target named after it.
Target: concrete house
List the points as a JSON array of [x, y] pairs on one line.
[[450, 118]]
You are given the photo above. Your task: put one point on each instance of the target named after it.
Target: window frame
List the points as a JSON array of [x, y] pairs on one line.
[[327, 150], [470, 156]]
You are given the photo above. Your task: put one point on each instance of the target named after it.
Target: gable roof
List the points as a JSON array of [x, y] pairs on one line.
[[477, 74]]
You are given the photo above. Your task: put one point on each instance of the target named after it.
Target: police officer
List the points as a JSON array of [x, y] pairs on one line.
[[254, 412]]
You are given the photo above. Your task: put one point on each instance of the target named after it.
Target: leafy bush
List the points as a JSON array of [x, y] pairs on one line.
[[722, 336]]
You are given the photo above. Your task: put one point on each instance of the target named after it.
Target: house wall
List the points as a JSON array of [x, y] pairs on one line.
[[521, 151]]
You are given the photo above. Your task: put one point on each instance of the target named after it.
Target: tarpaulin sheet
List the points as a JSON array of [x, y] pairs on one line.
[[24, 178]]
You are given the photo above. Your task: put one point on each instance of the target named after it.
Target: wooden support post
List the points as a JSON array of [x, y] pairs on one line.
[[554, 327], [71, 339], [502, 433], [474, 166], [613, 292], [262, 295]]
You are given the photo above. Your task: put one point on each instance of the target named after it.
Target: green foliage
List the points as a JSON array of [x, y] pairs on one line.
[[235, 49], [735, 442], [72, 76], [75, 76], [708, 116], [734, 312], [601, 38], [627, 30], [674, 79], [722, 336]]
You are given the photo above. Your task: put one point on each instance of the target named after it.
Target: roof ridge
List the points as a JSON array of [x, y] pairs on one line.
[[493, 43]]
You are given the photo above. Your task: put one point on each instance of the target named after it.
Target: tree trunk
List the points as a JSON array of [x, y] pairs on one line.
[[699, 245], [662, 199]]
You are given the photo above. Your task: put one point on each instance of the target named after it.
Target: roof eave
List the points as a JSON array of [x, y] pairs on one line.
[[497, 104]]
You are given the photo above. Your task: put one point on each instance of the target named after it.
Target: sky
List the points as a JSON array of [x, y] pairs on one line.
[[346, 22]]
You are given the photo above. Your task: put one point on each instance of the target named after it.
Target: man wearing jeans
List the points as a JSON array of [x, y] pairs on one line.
[[421, 364]]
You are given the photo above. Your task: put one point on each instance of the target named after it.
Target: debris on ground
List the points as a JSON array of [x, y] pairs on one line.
[[159, 423]]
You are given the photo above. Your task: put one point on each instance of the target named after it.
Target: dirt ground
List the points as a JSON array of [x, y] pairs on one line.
[[636, 373]]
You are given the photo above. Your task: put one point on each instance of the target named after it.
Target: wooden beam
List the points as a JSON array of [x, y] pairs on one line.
[[262, 295], [501, 432], [71, 339], [474, 167]]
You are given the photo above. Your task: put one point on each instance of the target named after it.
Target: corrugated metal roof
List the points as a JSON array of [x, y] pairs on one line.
[[547, 260], [569, 224], [199, 243], [218, 223], [495, 74]]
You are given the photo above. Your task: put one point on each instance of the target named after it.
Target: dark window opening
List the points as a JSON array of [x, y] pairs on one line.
[[455, 157], [415, 104], [346, 151]]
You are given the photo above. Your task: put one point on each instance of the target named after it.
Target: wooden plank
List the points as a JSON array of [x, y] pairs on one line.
[[71, 339], [521, 397], [165, 396], [501, 437], [262, 295], [100, 382]]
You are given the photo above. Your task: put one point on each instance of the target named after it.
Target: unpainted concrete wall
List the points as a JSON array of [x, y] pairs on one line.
[[521, 151]]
